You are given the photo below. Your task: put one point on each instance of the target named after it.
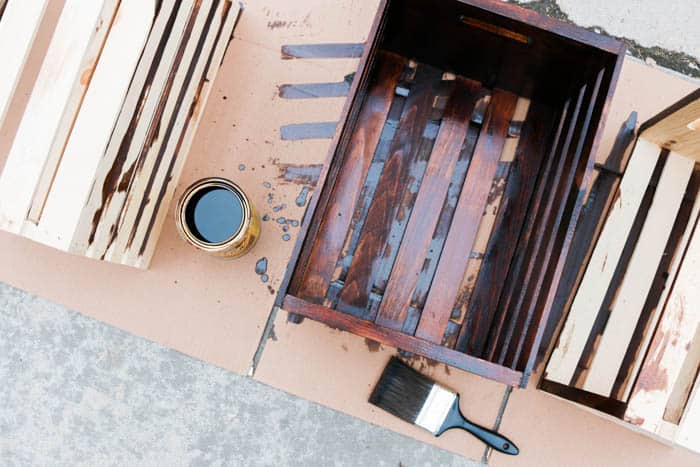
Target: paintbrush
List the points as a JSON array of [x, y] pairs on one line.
[[417, 399]]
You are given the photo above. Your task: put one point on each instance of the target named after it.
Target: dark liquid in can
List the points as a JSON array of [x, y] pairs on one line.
[[214, 215]]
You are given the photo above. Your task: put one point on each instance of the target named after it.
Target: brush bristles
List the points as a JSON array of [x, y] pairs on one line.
[[401, 391]]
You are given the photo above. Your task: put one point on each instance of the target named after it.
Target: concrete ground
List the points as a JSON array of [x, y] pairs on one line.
[[74, 391]]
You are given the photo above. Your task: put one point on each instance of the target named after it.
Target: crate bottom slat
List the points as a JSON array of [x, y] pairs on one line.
[[390, 337]]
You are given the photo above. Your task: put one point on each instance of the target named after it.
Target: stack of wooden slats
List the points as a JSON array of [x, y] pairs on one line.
[[631, 340], [110, 120]]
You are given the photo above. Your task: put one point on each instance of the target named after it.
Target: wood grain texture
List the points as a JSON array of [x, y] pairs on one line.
[[689, 432], [230, 13], [519, 189], [393, 183], [674, 128], [52, 107], [19, 23], [463, 229], [398, 339], [670, 345], [603, 263], [639, 276], [356, 164], [95, 123], [427, 207]]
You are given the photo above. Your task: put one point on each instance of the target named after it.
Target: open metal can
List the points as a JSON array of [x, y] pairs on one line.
[[215, 216]]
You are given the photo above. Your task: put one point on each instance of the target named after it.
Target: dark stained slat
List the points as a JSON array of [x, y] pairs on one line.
[[465, 223], [512, 214], [495, 334], [531, 250], [333, 229], [398, 339], [553, 259], [427, 207], [393, 183]]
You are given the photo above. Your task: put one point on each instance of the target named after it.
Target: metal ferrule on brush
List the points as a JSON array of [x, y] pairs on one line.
[[433, 413]]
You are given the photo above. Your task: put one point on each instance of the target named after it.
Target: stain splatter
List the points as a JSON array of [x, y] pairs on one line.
[[344, 347], [272, 336], [261, 266], [264, 278], [286, 237], [300, 174], [241, 167], [265, 217], [279, 207], [267, 185], [373, 346], [303, 196], [271, 290], [281, 220], [295, 223]]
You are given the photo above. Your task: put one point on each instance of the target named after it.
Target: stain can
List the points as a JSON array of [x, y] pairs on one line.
[[215, 216]]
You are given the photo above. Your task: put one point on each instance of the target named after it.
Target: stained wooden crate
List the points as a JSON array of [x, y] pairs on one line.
[[451, 190], [108, 125], [630, 342]]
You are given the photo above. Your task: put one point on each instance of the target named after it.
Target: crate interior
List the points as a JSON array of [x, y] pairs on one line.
[[457, 177]]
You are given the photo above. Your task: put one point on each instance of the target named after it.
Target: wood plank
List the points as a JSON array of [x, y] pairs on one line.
[[111, 168], [594, 212], [603, 263], [689, 432], [639, 276], [133, 148], [388, 336], [674, 129], [20, 22], [551, 253], [464, 227], [426, 210], [530, 154], [148, 164], [95, 122], [669, 348], [393, 183], [52, 107], [521, 288], [231, 13], [347, 188], [543, 186]]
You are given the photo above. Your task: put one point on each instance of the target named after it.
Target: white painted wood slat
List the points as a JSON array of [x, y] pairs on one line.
[[603, 263], [640, 275]]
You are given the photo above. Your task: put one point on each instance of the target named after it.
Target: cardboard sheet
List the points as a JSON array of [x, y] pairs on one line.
[[216, 310]]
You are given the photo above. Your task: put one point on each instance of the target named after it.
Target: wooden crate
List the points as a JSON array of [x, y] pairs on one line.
[[110, 120], [452, 187], [630, 342]]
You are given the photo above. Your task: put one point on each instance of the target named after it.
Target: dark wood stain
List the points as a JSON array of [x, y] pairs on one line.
[[299, 174]]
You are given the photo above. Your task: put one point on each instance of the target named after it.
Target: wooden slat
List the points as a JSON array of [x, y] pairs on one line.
[[18, 27], [393, 183], [133, 148], [676, 129], [464, 227], [95, 122], [495, 334], [639, 276], [346, 190], [519, 282], [669, 348], [231, 13], [529, 157], [689, 432], [398, 339], [52, 107], [603, 263], [673, 269], [109, 173], [426, 210], [173, 153], [149, 164], [594, 212]]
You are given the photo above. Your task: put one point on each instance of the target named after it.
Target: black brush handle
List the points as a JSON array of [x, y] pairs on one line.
[[455, 419]]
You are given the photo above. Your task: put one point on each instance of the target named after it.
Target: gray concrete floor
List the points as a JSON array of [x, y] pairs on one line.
[[74, 391]]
